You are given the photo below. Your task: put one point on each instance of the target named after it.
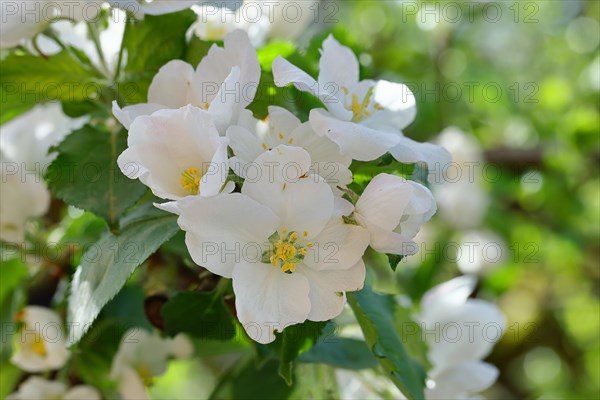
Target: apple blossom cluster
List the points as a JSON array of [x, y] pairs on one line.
[[267, 202], [41, 347]]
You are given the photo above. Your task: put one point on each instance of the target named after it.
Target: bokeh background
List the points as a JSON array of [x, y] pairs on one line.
[[514, 89]]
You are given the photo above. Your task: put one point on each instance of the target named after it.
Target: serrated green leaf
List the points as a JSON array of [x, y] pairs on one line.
[[201, 315], [107, 265], [85, 173], [27, 80], [375, 314]]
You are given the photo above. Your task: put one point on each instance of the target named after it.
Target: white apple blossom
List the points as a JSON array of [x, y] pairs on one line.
[[224, 83], [393, 210], [143, 356], [41, 342], [283, 20], [177, 153], [466, 331], [289, 253], [23, 20], [462, 198], [364, 118], [282, 127], [36, 388], [141, 8], [21, 198], [216, 20], [481, 251]]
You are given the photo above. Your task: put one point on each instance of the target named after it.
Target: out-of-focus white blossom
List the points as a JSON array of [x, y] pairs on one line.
[[36, 388], [143, 356], [467, 330], [23, 20], [462, 199], [481, 252], [41, 342]]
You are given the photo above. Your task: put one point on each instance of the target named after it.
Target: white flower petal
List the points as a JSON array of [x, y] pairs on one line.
[[128, 114], [463, 379], [224, 230], [213, 180], [452, 293], [267, 299], [327, 290], [165, 144], [338, 65], [82, 392], [171, 85], [338, 247], [398, 102], [357, 141], [285, 73], [409, 151]]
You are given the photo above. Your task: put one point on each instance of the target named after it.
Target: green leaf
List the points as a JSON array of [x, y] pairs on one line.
[[272, 50], [85, 173], [340, 353], [315, 381], [247, 380], [293, 341], [201, 315], [148, 45], [27, 80], [394, 260], [107, 265], [375, 314]]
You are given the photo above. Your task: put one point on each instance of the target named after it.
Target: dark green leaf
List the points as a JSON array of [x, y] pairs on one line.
[[201, 315], [394, 260], [340, 353], [293, 341], [149, 44], [247, 380], [107, 265], [375, 314], [85, 173]]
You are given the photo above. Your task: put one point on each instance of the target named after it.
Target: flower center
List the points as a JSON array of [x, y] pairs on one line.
[[360, 109], [190, 180], [286, 252], [145, 374], [35, 343]]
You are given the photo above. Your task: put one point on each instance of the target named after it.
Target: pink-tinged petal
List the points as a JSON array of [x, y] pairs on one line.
[[268, 300], [225, 230], [327, 290], [357, 141], [171, 85]]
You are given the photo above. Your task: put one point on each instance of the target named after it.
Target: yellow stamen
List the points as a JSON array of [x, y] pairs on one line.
[[145, 375], [264, 146], [280, 135], [190, 180], [359, 110], [305, 233], [290, 141], [38, 346], [287, 253]]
